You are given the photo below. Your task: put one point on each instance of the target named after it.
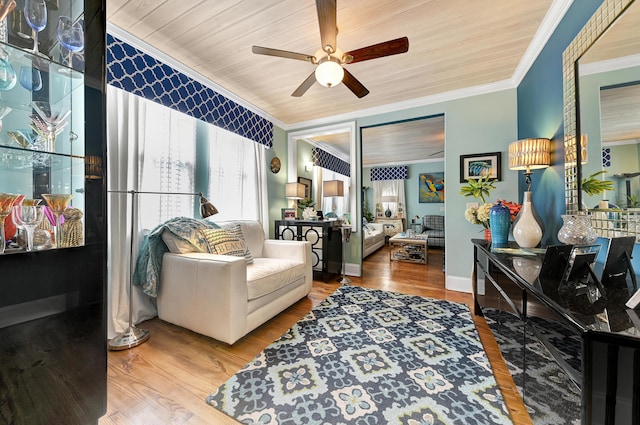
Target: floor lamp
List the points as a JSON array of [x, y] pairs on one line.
[[134, 336], [332, 188]]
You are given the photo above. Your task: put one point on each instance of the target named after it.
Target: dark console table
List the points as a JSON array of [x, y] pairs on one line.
[[600, 349], [326, 243]]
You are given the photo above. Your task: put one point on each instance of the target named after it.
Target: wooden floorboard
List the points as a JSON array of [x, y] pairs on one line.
[[166, 379]]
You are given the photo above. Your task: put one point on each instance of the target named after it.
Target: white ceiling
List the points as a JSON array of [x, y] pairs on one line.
[[456, 48], [453, 45]]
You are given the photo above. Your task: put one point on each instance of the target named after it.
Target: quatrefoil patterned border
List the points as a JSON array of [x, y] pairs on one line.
[[136, 72]]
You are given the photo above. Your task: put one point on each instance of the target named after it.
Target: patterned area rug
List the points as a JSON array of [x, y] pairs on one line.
[[547, 392], [370, 357]]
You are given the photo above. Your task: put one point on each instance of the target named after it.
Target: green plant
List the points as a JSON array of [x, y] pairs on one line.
[[479, 188], [306, 202], [633, 201], [592, 185]]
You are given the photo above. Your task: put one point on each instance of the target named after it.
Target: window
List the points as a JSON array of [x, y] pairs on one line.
[[236, 167], [167, 164]]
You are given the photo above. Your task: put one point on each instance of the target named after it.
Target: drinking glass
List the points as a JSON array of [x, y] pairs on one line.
[[35, 13], [28, 217], [70, 34], [7, 73], [30, 78], [6, 202], [57, 204]]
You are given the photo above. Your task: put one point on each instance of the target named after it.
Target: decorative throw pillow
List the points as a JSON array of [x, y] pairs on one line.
[[223, 242], [236, 230]]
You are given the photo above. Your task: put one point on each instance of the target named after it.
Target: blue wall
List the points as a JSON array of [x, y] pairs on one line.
[[540, 114]]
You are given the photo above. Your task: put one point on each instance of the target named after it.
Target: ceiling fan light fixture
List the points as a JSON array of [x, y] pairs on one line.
[[329, 72]]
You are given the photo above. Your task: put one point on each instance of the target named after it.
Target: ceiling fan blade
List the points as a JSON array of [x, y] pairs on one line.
[[380, 50], [327, 20], [306, 85], [282, 54], [354, 85]]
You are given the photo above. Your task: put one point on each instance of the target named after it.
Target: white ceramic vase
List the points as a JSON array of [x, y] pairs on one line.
[[527, 232]]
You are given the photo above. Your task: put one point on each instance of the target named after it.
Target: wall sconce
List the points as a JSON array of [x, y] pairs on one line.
[[308, 167]]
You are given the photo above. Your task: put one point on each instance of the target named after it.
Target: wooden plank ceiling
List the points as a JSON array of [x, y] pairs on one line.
[[453, 45]]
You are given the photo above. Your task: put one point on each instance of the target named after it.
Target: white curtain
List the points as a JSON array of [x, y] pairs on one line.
[[393, 188], [237, 177], [152, 148], [317, 188], [125, 143]]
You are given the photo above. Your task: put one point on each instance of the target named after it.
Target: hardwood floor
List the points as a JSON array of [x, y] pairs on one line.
[[166, 379]]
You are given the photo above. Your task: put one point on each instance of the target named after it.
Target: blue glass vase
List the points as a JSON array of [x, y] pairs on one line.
[[499, 222]]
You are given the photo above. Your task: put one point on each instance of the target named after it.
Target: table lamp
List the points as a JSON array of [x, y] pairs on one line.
[[527, 155]]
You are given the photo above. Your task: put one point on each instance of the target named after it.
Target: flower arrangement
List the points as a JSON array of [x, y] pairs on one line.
[[480, 215], [309, 213], [514, 208]]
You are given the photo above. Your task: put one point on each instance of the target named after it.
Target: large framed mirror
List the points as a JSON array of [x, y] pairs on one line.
[[591, 46]]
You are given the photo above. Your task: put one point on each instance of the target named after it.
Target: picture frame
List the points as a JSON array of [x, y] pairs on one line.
[[308, 184], [431, 188], [288, 213], [477, 166]]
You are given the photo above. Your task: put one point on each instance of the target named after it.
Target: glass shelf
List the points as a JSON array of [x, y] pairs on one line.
[[42, 141]]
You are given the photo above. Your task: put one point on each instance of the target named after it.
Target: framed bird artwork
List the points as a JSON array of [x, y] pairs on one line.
[[431, 188]]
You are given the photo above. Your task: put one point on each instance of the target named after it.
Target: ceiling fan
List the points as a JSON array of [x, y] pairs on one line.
[[330, 60]]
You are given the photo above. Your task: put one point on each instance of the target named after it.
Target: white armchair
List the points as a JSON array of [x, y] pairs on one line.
[[223, 297]]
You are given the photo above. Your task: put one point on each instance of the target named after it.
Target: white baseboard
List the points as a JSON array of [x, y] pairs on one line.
[[459, 283]]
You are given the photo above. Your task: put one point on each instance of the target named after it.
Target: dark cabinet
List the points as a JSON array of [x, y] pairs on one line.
[[567, 345], [53, 352], [325, 239]]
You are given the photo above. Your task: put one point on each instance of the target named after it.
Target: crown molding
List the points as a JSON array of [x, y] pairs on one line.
[[407, 104], [609, 65], [548, 26]]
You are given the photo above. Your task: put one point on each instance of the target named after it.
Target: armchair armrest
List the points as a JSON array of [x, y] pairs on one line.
[[205, 293], [291, 250]]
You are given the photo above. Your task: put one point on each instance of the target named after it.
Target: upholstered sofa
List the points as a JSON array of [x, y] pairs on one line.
[[433, 227], [374, 238], [227, 296]]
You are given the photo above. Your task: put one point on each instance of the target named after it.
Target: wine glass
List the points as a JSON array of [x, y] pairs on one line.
[[7, 73], [70, 34], [28, 217], [30, 78], [6, 202], [57, 204], [35, 13]]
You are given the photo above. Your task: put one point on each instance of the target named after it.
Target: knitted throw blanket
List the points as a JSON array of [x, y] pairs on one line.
[[149, 263]]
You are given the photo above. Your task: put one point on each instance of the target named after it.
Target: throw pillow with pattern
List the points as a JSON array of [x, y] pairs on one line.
[[236, 230], [223, 242]]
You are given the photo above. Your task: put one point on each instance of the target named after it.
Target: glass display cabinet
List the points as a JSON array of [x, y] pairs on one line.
[[52, 211]]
